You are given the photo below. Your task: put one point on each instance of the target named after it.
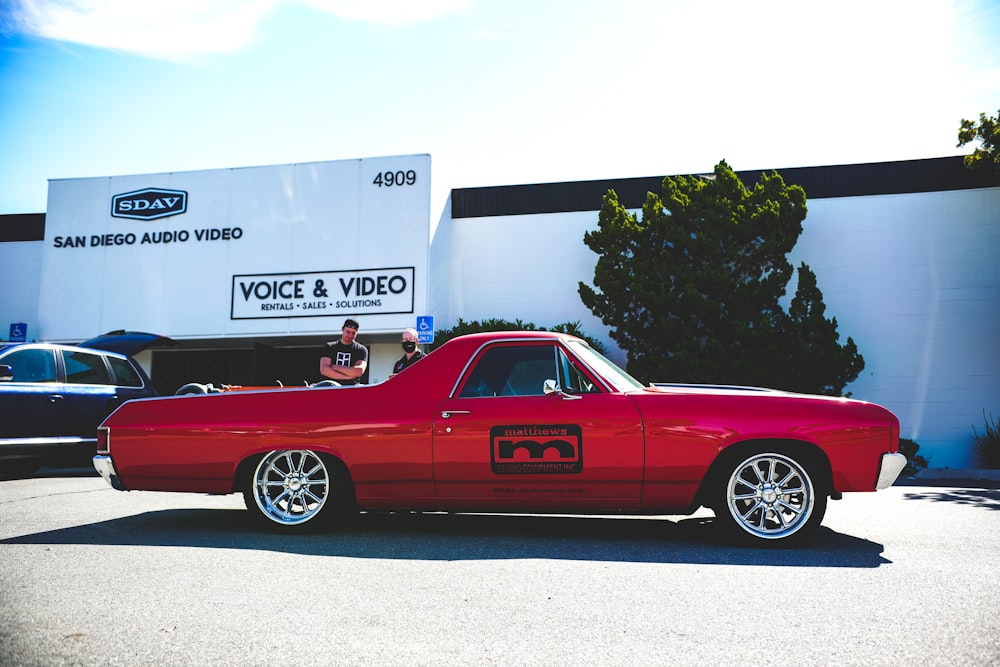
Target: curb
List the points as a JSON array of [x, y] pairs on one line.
[[957, 474], [966, 478]]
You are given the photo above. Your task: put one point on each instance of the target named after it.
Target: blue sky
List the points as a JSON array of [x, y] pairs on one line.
[[496, 91]]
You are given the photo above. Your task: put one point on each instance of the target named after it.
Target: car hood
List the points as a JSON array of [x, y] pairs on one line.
[[737, 391], [712, 388], [126, 342]]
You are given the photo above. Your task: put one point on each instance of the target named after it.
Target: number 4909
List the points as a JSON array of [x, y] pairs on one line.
[[391, 178]]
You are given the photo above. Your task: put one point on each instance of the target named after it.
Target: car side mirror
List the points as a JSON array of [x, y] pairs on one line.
[[552, 387], [6, 373]]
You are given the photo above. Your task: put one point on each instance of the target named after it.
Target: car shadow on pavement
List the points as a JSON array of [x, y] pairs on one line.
[[984, 498], [452, 537], [50, 471]]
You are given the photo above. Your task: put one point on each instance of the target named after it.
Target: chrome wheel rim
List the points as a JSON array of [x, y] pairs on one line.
[[770, 496], [291, 487]]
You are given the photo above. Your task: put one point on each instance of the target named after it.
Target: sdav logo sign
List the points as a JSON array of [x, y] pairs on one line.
[[546, 449], [149, 204]]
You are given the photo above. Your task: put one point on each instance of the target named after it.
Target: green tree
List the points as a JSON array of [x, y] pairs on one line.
[[987, 132], [817, 362], [692, 288]]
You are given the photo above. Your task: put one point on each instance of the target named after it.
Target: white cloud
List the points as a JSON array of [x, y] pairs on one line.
[[184, 29], [396, 12]]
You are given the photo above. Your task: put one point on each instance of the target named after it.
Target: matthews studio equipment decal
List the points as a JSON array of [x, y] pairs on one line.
[[323, 293], [542, 449]]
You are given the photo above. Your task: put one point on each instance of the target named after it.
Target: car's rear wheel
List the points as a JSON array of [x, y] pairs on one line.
[[297, 490], [770, 498]]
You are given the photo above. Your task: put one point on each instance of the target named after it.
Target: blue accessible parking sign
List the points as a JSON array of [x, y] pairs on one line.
[[425, 329], [18, 332]]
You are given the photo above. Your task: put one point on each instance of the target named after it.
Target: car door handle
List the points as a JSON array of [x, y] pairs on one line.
[[55, 398], [445, 414]]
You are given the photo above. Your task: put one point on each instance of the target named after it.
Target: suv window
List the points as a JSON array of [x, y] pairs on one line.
[[125, 374], [32, 365], [85, 368]]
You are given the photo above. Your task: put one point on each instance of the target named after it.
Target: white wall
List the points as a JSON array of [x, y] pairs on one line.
[[521, 267], [20, 268], [913, 279]]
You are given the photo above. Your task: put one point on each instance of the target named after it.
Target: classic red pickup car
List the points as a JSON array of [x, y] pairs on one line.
[[529, 422]]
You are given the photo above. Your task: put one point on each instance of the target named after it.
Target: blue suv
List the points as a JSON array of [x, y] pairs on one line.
[[53, 397]]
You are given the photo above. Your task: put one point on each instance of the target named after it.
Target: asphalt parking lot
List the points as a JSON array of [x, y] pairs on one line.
[[91, 576]]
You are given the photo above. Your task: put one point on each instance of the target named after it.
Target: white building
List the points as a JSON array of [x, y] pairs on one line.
[[250, 270]]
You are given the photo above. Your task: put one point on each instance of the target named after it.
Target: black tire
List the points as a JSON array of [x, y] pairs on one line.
[[297, 490], [769, 498]]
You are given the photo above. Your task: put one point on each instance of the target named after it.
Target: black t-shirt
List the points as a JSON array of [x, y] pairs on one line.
[[345, 355], [406, 363]]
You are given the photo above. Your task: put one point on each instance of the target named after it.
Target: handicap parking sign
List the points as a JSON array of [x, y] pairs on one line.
[[18, 332], [425, 329]]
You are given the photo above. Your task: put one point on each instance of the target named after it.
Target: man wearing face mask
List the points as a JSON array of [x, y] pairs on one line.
[[413, 355]]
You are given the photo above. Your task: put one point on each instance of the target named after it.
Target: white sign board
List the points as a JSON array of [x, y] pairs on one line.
[[341, 293], [238, 252]]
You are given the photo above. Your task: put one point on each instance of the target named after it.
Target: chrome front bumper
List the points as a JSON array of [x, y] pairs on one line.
[[106, 468], [889, 469]]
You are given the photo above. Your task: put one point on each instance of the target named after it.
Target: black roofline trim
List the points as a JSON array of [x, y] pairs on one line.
[[941, 174], [22, 227], [853, 180]]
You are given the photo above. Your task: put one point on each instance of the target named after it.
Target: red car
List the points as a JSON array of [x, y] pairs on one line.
[[528, 422]]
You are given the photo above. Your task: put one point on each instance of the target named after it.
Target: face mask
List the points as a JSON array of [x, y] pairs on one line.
[[409, 345]]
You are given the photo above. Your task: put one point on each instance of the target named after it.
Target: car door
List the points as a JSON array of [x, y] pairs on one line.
[[88, 393], [504, 439], [31, 403], [129, 380]]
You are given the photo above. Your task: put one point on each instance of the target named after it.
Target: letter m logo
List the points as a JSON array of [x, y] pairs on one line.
[[541, 449], [149, 204]]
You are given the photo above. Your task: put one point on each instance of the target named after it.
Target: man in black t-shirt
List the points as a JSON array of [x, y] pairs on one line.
[[344, 360]]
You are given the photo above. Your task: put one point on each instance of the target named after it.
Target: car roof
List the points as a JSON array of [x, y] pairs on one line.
[[6, 347], [516, 335]]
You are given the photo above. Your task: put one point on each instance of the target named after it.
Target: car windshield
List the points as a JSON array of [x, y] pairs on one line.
[[618, 378]]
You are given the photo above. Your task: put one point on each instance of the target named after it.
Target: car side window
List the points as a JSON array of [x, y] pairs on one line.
[[32, 365], [511, 370], [125, 374], [572, 379], [85, 368]]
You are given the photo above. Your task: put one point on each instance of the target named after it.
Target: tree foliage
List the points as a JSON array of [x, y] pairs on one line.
[[987, 132], [692, 287], [441, 336]]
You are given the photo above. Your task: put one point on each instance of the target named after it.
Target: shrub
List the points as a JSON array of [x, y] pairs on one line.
[[914, 462], [987, 443]]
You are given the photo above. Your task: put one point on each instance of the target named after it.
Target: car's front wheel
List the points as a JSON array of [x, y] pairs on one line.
[[769, 498], [297, 490]]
